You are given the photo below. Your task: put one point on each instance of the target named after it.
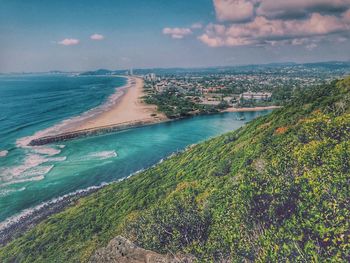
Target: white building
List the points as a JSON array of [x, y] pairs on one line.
[[152, 76], [256, 95]]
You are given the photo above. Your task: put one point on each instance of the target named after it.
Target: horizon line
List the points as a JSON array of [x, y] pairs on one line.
[[169, 68]]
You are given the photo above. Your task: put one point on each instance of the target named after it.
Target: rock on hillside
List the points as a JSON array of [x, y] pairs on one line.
[[121, 250]]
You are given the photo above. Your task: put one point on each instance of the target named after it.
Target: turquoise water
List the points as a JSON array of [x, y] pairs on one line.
[[30, 176]]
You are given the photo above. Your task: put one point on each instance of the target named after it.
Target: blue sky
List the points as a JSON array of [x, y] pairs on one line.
[[57, 35]]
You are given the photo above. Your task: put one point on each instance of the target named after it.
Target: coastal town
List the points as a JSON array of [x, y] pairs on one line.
[[207, 90], [179, 94]]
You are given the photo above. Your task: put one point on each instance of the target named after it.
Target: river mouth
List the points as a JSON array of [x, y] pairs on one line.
[[92, 163]]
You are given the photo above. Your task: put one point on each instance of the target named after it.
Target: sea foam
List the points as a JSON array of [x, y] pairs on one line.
[[35, 178], [45, 150], [3, 153], [32, 169], [103, 155]]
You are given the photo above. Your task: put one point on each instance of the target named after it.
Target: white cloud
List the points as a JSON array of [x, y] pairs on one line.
[[262, 30], [69, 42], [176, 32], [272, 22], [234, 10], [97, 37], [244, 10], [197, 26]]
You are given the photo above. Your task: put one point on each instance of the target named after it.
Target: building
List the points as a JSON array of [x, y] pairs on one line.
[[151, 77], [256, 95]]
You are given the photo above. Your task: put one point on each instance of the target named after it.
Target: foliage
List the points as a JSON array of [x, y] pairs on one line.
[[276, 189], [175, 105]]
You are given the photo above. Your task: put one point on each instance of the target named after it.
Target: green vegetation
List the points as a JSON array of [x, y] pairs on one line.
[[275, 190], [176, 105]]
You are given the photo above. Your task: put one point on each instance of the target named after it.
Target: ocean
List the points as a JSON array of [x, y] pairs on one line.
[[32, 105]]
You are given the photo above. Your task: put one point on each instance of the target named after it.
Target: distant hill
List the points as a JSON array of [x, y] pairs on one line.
[[97, 72], [275, 190], [319, 68]]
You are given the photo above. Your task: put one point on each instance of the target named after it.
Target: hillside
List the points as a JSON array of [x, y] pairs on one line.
[[275, 190]]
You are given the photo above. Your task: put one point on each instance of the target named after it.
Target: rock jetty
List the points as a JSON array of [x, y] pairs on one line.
[[91, 132], [121, 250]]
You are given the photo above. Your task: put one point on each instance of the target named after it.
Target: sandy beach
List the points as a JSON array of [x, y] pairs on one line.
[[127, 110]]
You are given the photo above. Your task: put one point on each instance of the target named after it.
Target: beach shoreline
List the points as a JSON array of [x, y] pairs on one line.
[[127, 111], [128, 108]]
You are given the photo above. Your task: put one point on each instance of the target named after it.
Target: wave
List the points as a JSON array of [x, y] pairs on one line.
[[102, 155], [24, 180], [32, 166], [50, 151], [8, 191], [31, 161], [35, 172], [3, 153], [57, 159], [95, 156]]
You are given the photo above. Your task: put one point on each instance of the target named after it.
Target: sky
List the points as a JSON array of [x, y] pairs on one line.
[[78, 35]]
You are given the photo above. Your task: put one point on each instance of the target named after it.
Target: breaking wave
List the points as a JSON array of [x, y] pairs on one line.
[[8, 191], [3, 153]]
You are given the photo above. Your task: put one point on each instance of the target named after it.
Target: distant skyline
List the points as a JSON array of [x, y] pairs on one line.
[[86, 35]]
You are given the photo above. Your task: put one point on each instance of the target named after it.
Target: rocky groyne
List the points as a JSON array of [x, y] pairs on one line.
[[91, 132]]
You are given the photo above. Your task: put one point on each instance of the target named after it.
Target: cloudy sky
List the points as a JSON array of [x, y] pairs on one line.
[[38, 35]]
